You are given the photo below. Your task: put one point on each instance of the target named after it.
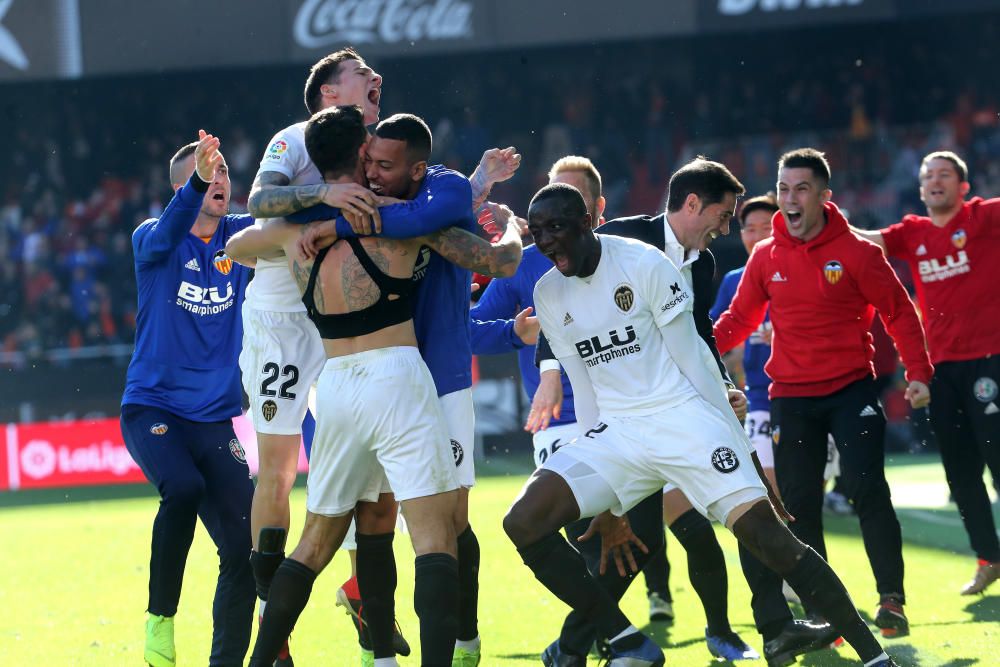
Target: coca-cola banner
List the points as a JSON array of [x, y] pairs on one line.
[[85, 453], [71, 38]]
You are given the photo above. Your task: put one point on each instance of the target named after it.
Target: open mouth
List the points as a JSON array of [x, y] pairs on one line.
[[794, 218], [218, 196], [374, 95], [559, 259], [375, 187]]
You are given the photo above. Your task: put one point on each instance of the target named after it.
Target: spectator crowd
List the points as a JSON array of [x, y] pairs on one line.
[[86, 161]]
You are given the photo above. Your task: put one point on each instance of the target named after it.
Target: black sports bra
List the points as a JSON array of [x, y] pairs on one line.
[[381, 314]]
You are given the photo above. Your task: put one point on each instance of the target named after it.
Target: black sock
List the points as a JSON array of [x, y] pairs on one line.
[[288, 596], [468, 585], [770, 609], [706, 568], [435, 599], [562, 570], [264, 566], [377, 584], [656, 571], [820, 587]]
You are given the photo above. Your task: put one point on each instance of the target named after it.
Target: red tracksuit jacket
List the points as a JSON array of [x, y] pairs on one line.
[[821, 295]]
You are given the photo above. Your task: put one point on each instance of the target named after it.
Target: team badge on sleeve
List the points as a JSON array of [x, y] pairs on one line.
[[278, 147], [236, 449], [985, 389], [833, 271], [269, 409], [624, 297], [959, 238], [222, 263], [724, 460]]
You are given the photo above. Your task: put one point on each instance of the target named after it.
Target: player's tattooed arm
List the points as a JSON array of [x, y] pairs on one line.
[[272, 197], [499, 260]]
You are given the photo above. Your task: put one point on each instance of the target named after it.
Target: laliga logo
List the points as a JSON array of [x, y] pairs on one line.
[[737, 7], [41, 458], [10, 50], [323, 22], [38, 459]]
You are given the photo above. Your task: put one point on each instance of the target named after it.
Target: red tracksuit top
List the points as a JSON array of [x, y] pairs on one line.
[[955, 269], [822, 294]]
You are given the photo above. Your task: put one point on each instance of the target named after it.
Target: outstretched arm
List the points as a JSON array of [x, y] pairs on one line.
[[875, 236], [273, 197]]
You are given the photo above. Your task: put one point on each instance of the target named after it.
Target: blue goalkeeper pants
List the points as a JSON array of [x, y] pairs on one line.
[[200, 470]]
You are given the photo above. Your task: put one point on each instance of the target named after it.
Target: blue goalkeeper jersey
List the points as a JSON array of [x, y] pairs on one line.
[[188, 326], [441, 306], [493, 330], [755, 352]]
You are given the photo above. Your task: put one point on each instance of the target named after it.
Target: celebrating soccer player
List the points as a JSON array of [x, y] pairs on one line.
[[181, 393], [952, 252], [637, 364], [822, 285]]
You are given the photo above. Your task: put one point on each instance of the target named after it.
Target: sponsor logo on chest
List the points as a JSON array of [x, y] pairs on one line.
[[204, 300], [935, 269], [616, 345]]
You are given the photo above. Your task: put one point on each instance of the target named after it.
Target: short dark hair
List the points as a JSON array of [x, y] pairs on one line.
[[410, 129], [565, 194], [807, 158], [182, 154], [327, 70], [333, 139], [710, 181], [960, 166], [766, 202]]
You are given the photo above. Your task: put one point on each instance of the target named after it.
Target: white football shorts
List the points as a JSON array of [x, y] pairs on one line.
[[460, 418], [690, 446], [281, 358], [551, 439], [378, 420], [758, 428]]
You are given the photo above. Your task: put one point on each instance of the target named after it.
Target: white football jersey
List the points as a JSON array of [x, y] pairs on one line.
[[273, 287], [611, 320]]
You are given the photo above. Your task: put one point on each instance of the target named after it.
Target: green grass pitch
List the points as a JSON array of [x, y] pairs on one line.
[[74, 585]]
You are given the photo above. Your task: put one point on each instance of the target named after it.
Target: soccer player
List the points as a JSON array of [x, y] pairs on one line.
[[280, 338], [634, 354], [952, 252], [701, 198], [282, 353], [400, 148], [359, 294], [822, 285], [707, 569], [182, 391]]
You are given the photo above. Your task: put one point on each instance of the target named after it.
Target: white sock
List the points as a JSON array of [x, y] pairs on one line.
[[882, 656], [386, 662], [469, 645], [263, 603], [624, 633]]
